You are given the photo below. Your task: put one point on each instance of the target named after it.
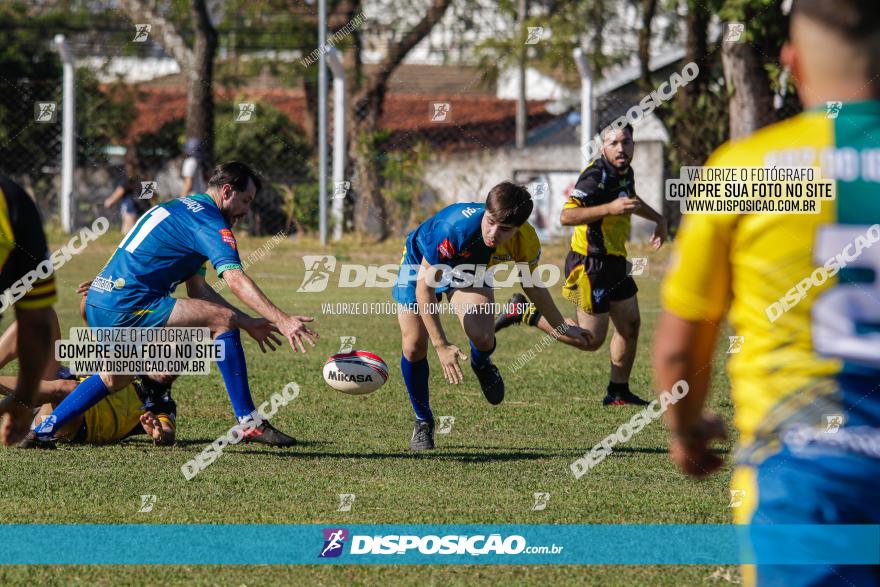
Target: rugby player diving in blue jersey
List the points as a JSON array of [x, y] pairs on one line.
[[169, 245], [455, 252]]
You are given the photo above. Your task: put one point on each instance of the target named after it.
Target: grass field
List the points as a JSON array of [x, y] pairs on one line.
[[484, 471]]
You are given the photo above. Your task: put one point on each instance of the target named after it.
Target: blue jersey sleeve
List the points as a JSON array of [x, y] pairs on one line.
[[440, 244], [217, 243]]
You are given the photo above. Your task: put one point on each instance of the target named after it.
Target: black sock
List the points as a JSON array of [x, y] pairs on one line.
[[531, 315], [617, 389]]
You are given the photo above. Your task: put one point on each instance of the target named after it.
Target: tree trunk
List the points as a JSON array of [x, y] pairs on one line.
[[367, 108], [197, 63], [310, 121], [370, 210], [649, 7], [689, 130], [751, 101], [200, 79]]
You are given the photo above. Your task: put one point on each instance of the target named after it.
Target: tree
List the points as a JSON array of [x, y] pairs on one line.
[[746, 68], [696, 118], [32, 73], [197, 62], [367, 107]]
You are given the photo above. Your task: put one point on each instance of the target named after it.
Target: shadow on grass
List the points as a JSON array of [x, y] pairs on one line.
[[404, 454], [203, 442], [575, 452]]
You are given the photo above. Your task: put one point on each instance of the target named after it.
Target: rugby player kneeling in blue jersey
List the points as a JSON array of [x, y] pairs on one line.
[[167, 246], [468, 236]]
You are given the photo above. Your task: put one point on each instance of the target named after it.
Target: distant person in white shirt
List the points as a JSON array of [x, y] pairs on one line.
[[194, 167]]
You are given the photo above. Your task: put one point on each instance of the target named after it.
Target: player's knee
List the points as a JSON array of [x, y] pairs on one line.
[[224, 320], [415, 350], [630, 328], [597, 340], [483, 340], [596, 343]]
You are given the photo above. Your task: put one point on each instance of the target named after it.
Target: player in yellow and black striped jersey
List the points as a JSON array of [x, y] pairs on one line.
[[803, 292], [27, 284], [598, 280]]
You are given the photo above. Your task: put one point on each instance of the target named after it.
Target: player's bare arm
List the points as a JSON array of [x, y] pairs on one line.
[[563, 331], [292, 327], [448, 353], [588, 214], [683, 350], [114, 197], [260, 329], [660, 229]]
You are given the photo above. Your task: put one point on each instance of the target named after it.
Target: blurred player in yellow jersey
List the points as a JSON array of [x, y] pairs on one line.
[[803, 290], [26, 280]]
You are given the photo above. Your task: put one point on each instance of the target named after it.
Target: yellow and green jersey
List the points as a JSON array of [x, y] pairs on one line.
[[803, 290]]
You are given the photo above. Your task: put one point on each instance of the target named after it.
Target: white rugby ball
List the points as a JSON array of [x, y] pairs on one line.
[[355, 373]]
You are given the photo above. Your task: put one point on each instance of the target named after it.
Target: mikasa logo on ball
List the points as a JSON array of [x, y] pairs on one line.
[[337, 376]]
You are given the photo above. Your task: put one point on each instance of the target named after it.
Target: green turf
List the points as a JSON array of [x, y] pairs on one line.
[[484, 471]]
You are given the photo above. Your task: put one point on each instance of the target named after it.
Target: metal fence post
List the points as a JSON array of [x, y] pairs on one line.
[[68, 152]]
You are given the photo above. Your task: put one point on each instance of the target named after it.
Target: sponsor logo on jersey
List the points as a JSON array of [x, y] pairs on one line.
[[103, 284], [192, 205], [446, 250], [228, 238]]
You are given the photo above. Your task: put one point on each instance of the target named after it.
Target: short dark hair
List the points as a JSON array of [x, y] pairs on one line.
[[857, 20], [609, 127], [236, 174], [509, 203]]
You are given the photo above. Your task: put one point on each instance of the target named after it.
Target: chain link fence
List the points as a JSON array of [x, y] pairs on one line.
[[429, 149]]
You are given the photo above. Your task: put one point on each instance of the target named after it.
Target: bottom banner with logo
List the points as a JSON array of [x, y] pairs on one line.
[[171, 544]]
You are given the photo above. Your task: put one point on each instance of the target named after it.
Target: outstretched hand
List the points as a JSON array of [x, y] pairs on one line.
[[295, 331], [263, 331], [449, 356]]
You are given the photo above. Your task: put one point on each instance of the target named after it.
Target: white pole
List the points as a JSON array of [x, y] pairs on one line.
[[586, 99], [322, 120], [68, 152], [339, 162]]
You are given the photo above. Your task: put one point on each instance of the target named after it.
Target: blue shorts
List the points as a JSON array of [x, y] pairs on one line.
[[127, 206], [155, 315], [404, 289], [835, 489]]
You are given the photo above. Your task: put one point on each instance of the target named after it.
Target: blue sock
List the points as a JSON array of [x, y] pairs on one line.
[[480, 358], [415, 375], [233, 368], [84, 396]]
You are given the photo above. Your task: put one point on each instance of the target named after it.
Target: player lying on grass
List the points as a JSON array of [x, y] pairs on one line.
[[167, 246], [474, 234], [598, 279], [806, 381], [134, 410], [142, 407]]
